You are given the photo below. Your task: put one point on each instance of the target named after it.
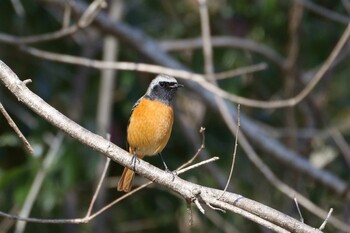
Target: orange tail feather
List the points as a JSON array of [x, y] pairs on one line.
[[126, 179]]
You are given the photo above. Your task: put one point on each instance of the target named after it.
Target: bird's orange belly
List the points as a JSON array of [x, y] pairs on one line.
[[149, 127]]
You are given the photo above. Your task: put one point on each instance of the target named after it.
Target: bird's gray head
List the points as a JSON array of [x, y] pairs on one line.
[[163, 89]]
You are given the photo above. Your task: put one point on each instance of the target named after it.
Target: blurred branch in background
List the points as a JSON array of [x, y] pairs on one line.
[[85, 20], [47, 164], [324, 12], [224, 41], [108, 79], [291, 67]]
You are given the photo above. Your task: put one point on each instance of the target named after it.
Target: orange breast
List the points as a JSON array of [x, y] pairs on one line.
[[150, 127]]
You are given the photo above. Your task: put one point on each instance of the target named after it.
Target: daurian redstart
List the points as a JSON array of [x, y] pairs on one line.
[[150, 124]]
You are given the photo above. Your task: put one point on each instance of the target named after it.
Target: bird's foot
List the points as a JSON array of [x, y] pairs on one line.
[[134, 159], [173, 173]]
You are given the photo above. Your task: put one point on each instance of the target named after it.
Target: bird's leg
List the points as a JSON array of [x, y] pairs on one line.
[[166, 167], [134, 159]]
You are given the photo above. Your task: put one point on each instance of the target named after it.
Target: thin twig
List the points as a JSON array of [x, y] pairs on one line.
[[84, 21], [234, 152], [103, 175], [197, 165], [19, 9], [7, 223], [215, 208], [66, 15], [240, 71], [67, 31], [341, 143], [41, 220], [199, 206], [133, 191], [346, 4], [326, 220], [324, 68], [226, 42], [91, 12], [13, 125], [299, 212], [202, 146], [329, 14], [26, 81]]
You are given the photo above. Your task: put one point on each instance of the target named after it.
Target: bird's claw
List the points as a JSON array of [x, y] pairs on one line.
[[134, 159], [174, 173]]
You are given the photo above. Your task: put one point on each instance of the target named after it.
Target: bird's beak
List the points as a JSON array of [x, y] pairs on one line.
[[177, 85]]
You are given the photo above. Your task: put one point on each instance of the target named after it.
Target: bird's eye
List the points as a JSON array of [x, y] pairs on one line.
[[162, 84]]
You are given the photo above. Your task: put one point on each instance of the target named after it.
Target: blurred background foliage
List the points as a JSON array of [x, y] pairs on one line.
[[73, 90]]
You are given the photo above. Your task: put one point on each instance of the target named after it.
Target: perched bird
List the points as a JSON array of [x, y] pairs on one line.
[[150, 124]]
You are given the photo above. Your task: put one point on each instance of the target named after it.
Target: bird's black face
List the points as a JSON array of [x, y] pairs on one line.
[[163, 89]]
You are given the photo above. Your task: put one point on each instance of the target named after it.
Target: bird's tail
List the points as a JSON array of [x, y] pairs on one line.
[[126, 179]]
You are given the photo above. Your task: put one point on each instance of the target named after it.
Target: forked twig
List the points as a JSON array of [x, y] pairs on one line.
[[202, 146], [103, 175]]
